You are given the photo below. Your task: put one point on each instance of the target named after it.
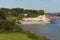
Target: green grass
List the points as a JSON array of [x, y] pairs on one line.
[[14, 36]]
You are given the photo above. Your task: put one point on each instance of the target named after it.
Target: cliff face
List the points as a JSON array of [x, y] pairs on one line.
[[39, 19]]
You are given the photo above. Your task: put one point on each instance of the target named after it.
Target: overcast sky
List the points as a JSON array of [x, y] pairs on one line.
[[46, 5]]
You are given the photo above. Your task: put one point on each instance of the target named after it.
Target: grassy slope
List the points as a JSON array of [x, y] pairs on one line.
[[14, 36]]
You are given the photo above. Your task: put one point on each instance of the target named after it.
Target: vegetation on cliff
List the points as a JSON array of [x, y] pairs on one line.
[[11, 31], [19, 12]]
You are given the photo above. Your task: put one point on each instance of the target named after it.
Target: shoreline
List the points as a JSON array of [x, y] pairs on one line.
[[34, 23]]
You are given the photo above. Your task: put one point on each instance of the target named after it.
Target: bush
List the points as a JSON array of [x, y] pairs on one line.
[[9, 26], [33, 36]]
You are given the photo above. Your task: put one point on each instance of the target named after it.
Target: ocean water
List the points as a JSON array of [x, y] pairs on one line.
[[51, 30]]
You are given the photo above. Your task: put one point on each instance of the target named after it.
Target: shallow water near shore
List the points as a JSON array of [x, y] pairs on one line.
[[51, 30]]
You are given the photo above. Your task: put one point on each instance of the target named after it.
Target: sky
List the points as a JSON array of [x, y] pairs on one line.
[[50, 6]]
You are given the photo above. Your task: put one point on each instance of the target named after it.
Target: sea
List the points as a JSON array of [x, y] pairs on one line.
[[49, 30]]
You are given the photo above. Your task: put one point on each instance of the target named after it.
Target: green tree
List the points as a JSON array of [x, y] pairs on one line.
[[41, 12], [2, 15]]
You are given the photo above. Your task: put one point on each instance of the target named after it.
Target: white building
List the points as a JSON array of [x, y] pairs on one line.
[[36, 20]]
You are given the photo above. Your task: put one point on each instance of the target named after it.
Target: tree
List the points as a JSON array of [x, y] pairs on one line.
[[9, 26], [2, 15], [41, 12]]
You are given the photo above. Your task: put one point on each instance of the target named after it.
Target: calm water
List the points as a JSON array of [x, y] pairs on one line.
[[52, 31]]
